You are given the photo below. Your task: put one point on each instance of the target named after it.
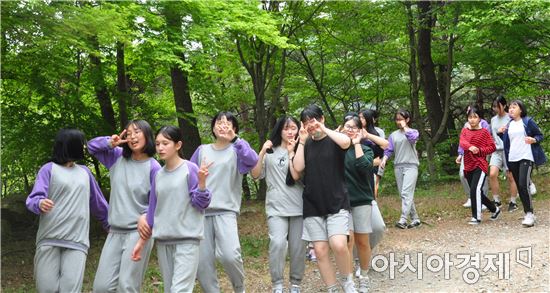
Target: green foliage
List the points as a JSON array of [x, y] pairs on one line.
[[340, 55]]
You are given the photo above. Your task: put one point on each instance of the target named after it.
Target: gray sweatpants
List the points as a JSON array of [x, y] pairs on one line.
[[221, 240], [405, 176], [117, 272], [465, 184], [283, 231], [178, 265], [59, 269]]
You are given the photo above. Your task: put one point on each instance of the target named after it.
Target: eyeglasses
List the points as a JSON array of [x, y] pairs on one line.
[[351, 128]]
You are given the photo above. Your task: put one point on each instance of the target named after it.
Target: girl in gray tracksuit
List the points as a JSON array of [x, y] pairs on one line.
[[176, 209], [403, 145], [64, 195], [131, 169], [231, 157], [283, 203]]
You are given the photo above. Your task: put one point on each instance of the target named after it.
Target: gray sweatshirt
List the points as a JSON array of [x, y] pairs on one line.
[[130, 183], [75, 193]]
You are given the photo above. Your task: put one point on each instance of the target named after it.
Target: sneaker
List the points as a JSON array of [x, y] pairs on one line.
[[468, 203], [277, 288], [295, 288], [358, 270], [495, 215], [474, 221], [349, 287], [414, 224], [497, 203], [364, 284], [528, 220], [532, 188], [401, 225], [512, 206]]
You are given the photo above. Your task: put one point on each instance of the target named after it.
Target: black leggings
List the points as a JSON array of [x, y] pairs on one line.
[[476, 180], [521, 171]]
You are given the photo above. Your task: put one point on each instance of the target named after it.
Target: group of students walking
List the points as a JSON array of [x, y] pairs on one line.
[[321, 188], [513, 142]]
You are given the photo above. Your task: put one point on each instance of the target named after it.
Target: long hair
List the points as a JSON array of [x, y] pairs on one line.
[[369, 116], [149, 147], [174, 134], [68, 146], [276, 139], [500, 100]]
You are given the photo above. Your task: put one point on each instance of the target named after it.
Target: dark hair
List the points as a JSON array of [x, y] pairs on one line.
[[521, 107], [68, 146], [174, 134], [355, 119], [473, 110], [404, 113], [369, 116], [149, 147], [502, 101], [277, 140], [310, 112], [229, 116], [278, 129]]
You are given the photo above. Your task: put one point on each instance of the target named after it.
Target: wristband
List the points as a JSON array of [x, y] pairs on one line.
[[301, 143], [234, 139]]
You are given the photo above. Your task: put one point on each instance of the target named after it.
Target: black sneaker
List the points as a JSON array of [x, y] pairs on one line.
[[512, 206], [497, 203], [401, 225], [414, 224], [495, 215]]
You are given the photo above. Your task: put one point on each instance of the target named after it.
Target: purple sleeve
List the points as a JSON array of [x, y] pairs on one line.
[[100, 149], [246, 156], [40, 189], [486, 125], [389, 151], [200, 199], [460, 149], [412, 135], [195, 156], [155, 167], [98, 205], [152, 204]]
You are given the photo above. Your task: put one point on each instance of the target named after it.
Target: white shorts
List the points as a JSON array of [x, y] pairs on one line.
[[498, 160], [322, 228], [361, 219]]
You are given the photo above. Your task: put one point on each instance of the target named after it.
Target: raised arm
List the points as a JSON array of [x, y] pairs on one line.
[[200, 196], [246, 156], [103, 150], [258, 171]]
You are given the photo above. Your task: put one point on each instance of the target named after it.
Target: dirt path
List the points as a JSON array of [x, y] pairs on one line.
[[504, 238]]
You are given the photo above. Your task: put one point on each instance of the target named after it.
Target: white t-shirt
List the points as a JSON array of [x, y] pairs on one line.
[[519, 150]]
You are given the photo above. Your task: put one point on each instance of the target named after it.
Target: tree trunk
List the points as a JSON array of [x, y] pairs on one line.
[[415, 89], [427, 67], [180, 85], [100, 87], [122, 85]]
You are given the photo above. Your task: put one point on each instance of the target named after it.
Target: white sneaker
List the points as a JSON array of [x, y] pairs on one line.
[[364, 284], [294, 288], [358, 271], [467, 204], [532, 188], [528, 220], [349, 287]]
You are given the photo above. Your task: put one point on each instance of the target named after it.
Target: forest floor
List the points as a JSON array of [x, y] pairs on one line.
[[497, 255]]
